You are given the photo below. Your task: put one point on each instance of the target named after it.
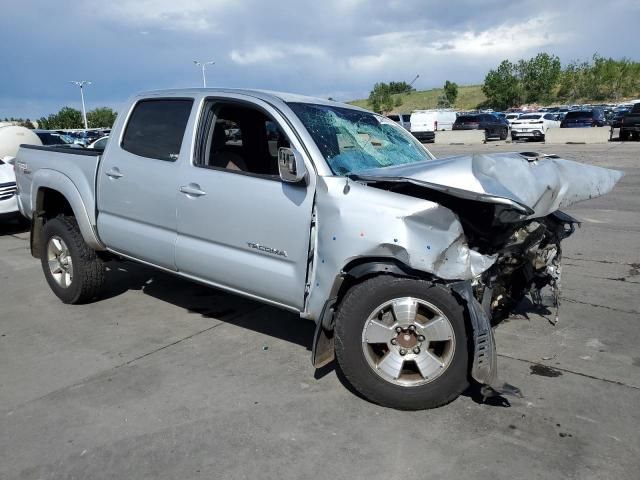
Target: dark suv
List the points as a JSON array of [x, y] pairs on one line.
[[584, 118], [492, 125]]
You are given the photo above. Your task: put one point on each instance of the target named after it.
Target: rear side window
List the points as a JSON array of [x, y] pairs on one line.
[[579, 114], [156, 128]]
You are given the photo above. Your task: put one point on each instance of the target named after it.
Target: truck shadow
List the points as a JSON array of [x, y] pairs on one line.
[[197, 299], [209, 302]]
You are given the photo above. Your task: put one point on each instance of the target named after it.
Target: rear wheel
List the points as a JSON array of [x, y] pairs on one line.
[[402, 343], [624, 135], [72, 269]]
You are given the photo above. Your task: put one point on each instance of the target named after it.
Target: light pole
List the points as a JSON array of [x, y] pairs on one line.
[[203, 65], [81, 84]]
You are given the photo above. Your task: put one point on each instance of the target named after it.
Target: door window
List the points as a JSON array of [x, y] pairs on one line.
[[240, 138], [156, 128]]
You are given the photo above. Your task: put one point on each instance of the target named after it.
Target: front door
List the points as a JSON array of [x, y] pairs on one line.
[[239, 225]]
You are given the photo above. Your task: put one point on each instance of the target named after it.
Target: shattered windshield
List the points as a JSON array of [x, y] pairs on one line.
[[352, 140]]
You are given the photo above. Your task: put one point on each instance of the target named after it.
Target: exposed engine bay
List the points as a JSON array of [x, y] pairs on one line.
[[529, 251]]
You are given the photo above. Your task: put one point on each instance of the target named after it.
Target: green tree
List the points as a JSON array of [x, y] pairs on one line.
[[451, 92], [502, 86], [380, 98], [67, 117], [101, 117], [539, 77], [400, 87]]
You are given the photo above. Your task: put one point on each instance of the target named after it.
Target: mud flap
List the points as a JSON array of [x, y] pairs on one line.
[[323, 351], [484, 368]]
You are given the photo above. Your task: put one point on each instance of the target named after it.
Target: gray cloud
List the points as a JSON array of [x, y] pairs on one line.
[[334, 48]]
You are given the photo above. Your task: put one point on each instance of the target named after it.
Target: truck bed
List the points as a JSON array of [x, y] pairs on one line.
[[70, 165]]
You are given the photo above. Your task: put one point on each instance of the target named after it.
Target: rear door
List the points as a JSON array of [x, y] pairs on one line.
[[138, 181]]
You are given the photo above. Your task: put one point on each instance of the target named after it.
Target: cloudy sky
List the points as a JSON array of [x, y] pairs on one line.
[[335, 48]]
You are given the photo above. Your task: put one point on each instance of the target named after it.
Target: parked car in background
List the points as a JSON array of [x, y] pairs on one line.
[[433, 120], [510, 117], [11, 137], [403, 119], [593, 117], [493, 126], [533, 126], [616, 120], [630, 124], [422, 126], [100, 143], [51, 138]]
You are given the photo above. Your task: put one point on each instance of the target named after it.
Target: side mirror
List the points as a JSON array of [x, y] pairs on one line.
[[291, 166], [9, 160]]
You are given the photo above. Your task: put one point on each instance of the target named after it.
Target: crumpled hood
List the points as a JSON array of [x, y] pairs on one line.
[[535, 188]]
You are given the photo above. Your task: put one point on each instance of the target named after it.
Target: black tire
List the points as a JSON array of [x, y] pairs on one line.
[[88, 268], [624, 135], [358, 303], [504, 134], [486, 135]]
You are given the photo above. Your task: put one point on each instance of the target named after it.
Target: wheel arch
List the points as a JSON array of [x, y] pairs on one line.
[[353, 273], [55, 194]]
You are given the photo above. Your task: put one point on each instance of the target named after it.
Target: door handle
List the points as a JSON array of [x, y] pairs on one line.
[[113, 173], [192, 190]]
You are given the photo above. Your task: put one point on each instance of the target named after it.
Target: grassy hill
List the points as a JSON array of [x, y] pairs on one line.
[[469, 97]]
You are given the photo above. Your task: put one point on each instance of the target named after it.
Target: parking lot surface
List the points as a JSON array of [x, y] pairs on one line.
[[164, 378]]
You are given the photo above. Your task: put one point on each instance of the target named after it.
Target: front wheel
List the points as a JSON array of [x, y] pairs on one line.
[[504, 134], [72, 269], [402, 343]]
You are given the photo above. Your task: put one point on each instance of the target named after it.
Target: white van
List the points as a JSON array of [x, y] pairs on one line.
[[433, 119]]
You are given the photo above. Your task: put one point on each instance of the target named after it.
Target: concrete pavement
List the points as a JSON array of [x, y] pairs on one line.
[[168, 379]]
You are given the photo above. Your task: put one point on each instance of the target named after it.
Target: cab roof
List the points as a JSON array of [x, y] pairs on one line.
[[266, 95]]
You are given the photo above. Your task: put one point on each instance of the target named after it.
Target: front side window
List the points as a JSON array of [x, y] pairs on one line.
[[156, 128], [238, 137], [352, 140]]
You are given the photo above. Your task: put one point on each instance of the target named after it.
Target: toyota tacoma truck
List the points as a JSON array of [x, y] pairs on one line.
[[320, 208]]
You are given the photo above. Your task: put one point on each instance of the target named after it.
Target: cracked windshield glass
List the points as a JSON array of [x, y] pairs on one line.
[[351, 140]]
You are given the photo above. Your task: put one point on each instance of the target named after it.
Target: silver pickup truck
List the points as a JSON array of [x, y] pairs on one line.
[[320, 208]]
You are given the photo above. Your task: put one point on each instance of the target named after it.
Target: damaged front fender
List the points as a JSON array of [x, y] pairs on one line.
[[354, 221]]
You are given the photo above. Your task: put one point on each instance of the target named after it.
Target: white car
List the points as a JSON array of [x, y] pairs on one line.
[[533, 125], [11, 137], [8, 199], [100, 143], [510, 117]]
